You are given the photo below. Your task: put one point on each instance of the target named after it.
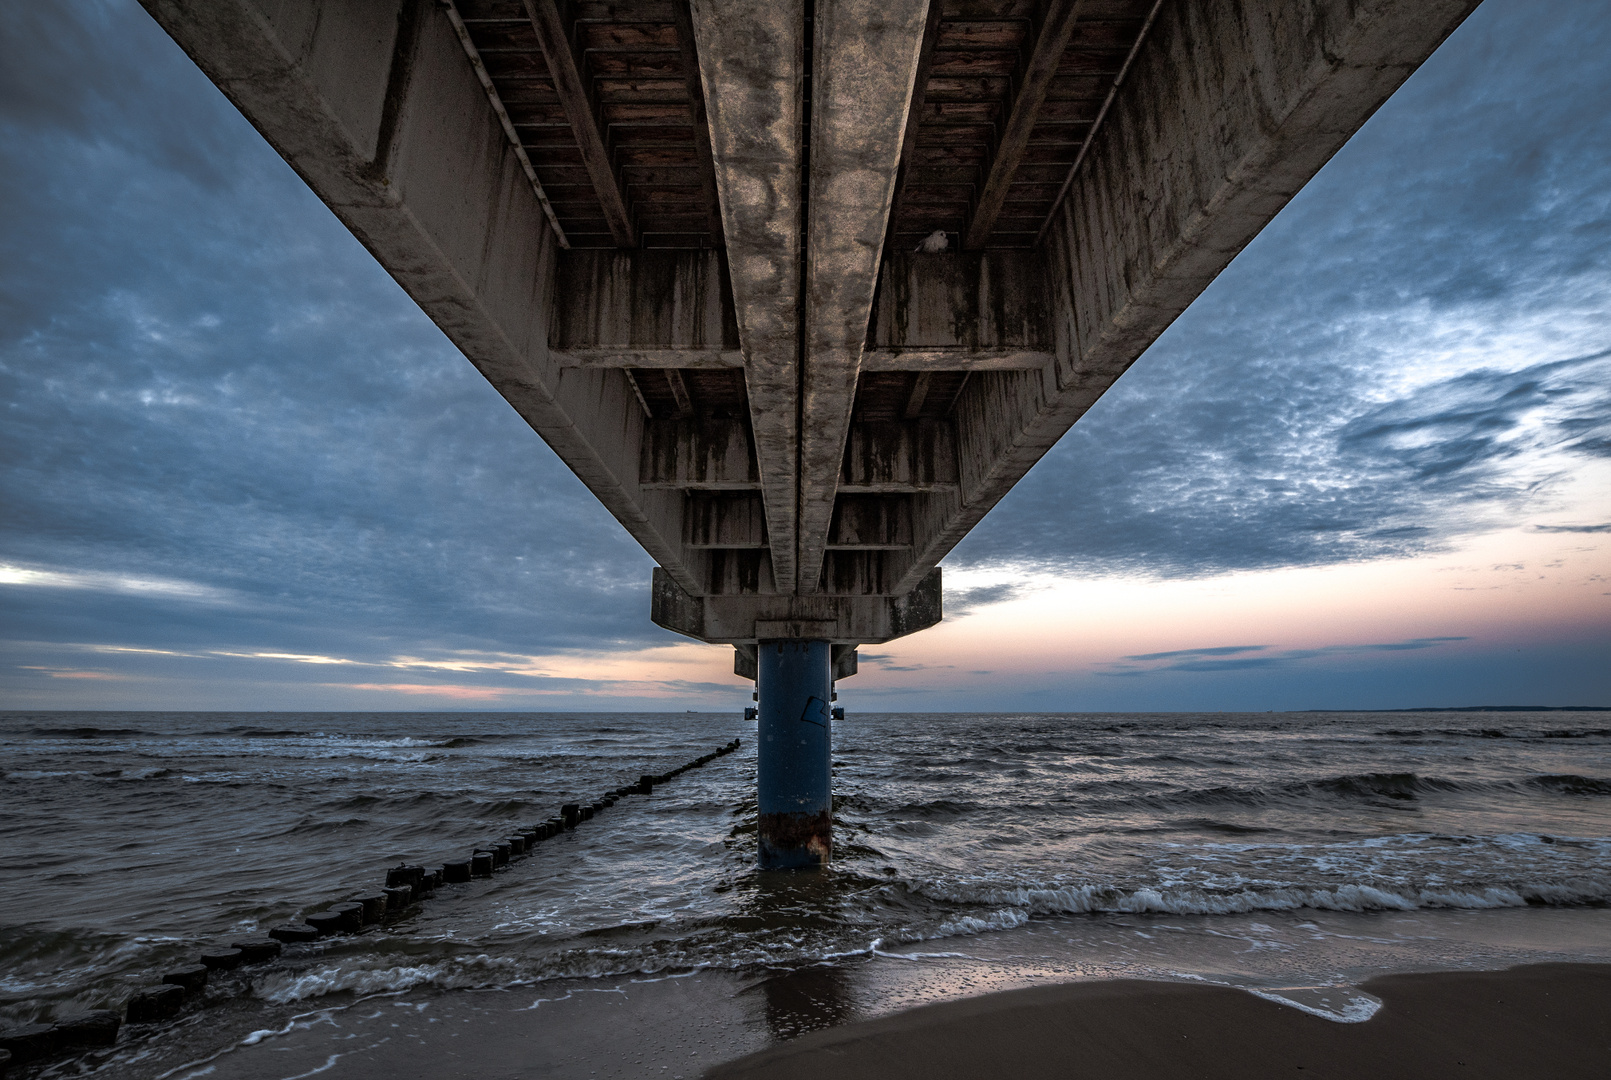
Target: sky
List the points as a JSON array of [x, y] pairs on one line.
[[1370, 467]]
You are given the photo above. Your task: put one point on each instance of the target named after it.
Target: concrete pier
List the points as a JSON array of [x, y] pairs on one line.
[[794, 773], [801, 291]]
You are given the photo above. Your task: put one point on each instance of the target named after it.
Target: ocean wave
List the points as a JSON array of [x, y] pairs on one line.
[[935, 808], [1496, 733], [254, 733], [303, 986], [1406, 785], [1007, 918], [477, 972], [1051, 899], [1571, 784], [84, 732], [311, 826], [1394, 786], [1399, 786]]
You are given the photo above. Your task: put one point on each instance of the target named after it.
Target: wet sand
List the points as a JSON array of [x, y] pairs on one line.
[[1547, 1020]]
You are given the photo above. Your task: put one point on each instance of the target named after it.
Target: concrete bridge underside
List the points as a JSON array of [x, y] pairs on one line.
[[801, 290]]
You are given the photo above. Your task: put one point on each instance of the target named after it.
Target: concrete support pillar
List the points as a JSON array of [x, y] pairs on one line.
[[795, 681]]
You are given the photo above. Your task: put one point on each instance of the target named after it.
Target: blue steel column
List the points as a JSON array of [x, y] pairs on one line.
[[795, 683]]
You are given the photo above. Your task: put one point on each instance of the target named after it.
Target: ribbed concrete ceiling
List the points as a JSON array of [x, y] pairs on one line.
[[620, 154]]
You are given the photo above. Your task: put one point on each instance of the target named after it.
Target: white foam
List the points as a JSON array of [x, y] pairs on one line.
[[1339, 1004], [364, 981], [1184, 899]]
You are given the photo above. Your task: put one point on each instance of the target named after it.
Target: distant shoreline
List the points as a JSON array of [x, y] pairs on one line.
[[1477, 708]]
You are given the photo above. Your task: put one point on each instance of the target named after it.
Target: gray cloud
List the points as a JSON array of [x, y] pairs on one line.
[[960, 602], [1209, 659], [1218, 650], [886, 662]]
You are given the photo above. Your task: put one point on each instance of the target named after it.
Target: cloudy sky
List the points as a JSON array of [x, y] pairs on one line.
[[1370, 467]]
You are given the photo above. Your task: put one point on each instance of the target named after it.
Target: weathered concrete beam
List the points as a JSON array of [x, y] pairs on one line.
[[917, 397], [990, 303], [737, 572], [866, 60], [951, 311], [1033, 80], [1231, 107], [688, 47], [863, 572], [724, 521], [745, 619], [690, 358], [871, 523], [920, 360], [959, 358], [576, 98], [914, 111], [931, 359], [751, 63], [679, 391], [899, 457], [643, 301], [698, 455], [377, 108]]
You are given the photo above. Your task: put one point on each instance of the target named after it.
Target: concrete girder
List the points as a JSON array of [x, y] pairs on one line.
[[1204, 145], [698, 455], [686, 358], [866, 55], [688, 46], [689, 358], [843, 620], [899, 456], [914, 113], [576, 98], [611, 306], [871, 523], [974, 304], [375, 107], [724, 520], [752, 65], [958, 359], [1033, 78]]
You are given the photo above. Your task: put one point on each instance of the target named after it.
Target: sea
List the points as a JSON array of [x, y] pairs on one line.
[[1291, 854]]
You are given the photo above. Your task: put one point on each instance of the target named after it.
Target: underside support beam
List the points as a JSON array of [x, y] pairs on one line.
[[751, 62], [1034, 80], [867, 54], [582, 113]]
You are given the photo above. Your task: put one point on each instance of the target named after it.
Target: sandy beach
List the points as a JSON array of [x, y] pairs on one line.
[[1542, 1020]]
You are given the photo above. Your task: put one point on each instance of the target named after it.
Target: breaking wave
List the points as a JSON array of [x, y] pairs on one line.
[[1185, 900]]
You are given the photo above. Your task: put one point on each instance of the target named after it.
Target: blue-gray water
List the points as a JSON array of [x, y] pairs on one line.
[[1097, 844]]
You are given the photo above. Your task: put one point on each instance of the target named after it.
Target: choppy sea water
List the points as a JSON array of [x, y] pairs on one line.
[[1284, 852]]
